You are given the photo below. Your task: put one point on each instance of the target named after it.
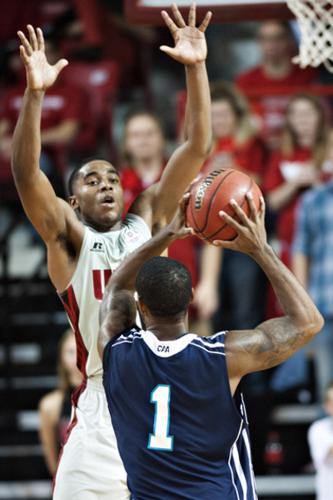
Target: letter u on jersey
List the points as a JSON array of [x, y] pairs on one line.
[[100, 280]]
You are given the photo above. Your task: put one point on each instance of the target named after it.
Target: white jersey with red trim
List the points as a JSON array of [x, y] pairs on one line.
[[100, 254]]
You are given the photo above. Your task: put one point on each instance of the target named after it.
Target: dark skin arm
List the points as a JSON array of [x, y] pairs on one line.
[[275, 340], [158, 204], [118, 309], [51, 216]]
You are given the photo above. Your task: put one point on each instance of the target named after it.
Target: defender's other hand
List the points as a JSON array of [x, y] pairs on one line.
[[190, 43], [251, 233], [177, 227], [40, 74]]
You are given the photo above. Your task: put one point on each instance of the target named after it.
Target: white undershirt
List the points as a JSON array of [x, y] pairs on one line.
[[320, 438]]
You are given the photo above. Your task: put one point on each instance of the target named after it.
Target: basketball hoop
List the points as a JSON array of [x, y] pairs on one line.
[[315, 18]]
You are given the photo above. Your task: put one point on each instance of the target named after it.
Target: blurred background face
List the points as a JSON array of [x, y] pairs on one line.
[[68, 354], [274, 41], [224, 120], [329, 403], [143, 138], [303, 118]]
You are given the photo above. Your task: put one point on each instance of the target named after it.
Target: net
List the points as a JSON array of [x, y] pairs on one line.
[[315, 18]]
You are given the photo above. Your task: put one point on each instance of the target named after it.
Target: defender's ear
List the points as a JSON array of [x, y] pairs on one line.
[[72, 200]]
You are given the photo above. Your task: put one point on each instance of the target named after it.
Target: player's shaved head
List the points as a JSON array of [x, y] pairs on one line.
[[165, 286]]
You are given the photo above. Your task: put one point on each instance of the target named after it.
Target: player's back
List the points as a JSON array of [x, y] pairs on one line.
[[179, 431]]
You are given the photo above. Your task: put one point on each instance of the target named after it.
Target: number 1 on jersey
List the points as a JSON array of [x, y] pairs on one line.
[[160, 440]]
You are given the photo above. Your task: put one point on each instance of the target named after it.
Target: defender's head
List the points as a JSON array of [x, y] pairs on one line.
[[96, 194], [164, 287]]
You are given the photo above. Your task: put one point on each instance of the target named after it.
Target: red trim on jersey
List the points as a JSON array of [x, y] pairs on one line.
[[72, 309], [75, 399]]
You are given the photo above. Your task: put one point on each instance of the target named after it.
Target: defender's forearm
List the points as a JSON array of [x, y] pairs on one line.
[[295, 301], [27, 136], [198, 108]]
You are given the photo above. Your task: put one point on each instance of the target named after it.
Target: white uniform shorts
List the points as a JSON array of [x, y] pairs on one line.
[[90, 467]]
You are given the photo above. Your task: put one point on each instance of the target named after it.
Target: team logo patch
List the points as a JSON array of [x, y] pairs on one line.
[[132, 236], [97, 247]]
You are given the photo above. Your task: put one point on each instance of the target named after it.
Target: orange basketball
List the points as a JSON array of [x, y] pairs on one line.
[[213, 193]]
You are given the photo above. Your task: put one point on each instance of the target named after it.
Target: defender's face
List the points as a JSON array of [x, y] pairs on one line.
[[99, 195]]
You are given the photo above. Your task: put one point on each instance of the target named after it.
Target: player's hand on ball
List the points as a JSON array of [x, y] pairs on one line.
[[251, 233], [177, 226], [40, 74], [190, 43]]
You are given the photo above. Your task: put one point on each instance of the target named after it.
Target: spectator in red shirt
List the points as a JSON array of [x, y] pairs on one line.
[[143, 151], [144, 155], [235, 146], [275, 74], [297, 165]]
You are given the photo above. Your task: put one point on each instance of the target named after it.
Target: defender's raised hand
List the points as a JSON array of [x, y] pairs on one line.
[[190, 43], [251, 233], [40, 74]]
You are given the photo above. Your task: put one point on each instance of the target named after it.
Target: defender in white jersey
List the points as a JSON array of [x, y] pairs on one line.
[[86, 240]]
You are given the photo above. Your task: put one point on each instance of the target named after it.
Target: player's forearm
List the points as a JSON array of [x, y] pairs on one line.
[[295, 301], [198, 109], [125, 276], [300, 267], [27, 137]]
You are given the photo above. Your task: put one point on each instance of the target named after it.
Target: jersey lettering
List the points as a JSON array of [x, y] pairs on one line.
[[100, 281], [163, 348]]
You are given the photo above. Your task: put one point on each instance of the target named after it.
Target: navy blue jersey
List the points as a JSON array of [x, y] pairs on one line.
[[180, 433]]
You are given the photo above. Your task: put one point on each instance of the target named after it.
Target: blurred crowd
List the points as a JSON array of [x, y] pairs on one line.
[[272, 122]]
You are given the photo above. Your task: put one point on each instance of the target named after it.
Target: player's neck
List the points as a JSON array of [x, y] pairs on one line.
[[277, 69], [102, 228], [167, 330]]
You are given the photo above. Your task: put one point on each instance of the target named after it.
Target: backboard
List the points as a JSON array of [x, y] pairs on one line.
[[225, 11]]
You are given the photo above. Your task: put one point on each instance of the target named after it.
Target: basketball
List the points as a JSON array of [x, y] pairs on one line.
[[213, 193]]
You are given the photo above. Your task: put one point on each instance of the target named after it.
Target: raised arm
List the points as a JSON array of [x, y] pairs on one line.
[[52, 217], [46, 212], [185, 163], [118, 308], [275, 340]]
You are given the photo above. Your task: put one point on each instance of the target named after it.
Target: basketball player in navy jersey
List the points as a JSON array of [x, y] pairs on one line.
[[87, 239], [180, 425]]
